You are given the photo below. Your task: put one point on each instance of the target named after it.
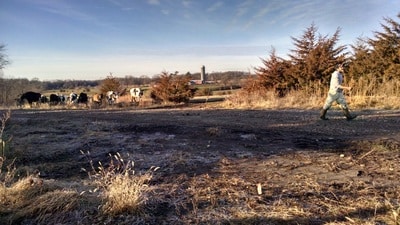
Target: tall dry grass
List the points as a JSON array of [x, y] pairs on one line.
[[115, 189], [7, 169], [366, 93], [121, 190], [3, 142]]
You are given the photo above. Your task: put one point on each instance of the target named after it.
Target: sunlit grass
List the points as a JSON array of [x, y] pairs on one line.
[[121, 189], [363, 95]]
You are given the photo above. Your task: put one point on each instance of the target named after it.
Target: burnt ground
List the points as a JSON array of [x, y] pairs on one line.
[[299, 161]]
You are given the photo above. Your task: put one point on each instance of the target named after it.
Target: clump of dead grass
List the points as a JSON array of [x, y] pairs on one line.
[[7, 169], [121, 190], [40, 202], [3, 120], [6, 179], [53, 206]]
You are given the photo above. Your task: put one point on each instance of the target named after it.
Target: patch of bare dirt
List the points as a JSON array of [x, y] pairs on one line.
[[213, 160]]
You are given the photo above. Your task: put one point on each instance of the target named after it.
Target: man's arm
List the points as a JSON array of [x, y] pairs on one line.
[[345, 87]]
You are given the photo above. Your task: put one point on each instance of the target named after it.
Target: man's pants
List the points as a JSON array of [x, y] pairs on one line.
[[338, 97]]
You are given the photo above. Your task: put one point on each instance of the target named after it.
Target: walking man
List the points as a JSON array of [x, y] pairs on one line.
[[336, 94]]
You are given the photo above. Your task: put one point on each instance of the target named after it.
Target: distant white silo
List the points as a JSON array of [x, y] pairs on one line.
[[203, 77]]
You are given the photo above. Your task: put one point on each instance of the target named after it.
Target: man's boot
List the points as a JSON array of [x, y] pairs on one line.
[[348, 115], [323, 114]]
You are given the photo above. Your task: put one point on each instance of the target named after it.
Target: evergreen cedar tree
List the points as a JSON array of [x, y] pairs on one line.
[[378, 58], [110, 84], [172, 88]]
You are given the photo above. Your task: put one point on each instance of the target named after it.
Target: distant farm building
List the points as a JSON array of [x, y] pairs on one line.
[[203, 78]]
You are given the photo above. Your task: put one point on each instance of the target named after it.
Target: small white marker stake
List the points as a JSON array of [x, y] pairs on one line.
[[259, 189]]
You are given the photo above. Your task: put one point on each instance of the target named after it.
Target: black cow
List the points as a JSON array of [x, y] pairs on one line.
[[83, 98], [54, 99], [29, 97]]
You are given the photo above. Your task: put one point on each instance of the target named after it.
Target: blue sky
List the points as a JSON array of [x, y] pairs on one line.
[[89, 39]]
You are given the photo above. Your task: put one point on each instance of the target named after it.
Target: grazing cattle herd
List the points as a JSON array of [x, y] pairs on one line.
[[110, 97]]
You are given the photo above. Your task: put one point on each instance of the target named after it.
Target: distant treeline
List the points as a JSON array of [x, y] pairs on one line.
[[225, 78]]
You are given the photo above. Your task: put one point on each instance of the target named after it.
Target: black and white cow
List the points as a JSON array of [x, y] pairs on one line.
[[112, 97], [56, 99], [136, 94], [73, 98], [44, 99], [62, 99], [29, 97]]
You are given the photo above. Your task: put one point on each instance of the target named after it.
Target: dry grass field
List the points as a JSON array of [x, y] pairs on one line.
[[199, 164]]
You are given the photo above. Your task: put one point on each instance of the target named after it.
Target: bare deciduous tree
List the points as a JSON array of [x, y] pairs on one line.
[[3, 57]]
